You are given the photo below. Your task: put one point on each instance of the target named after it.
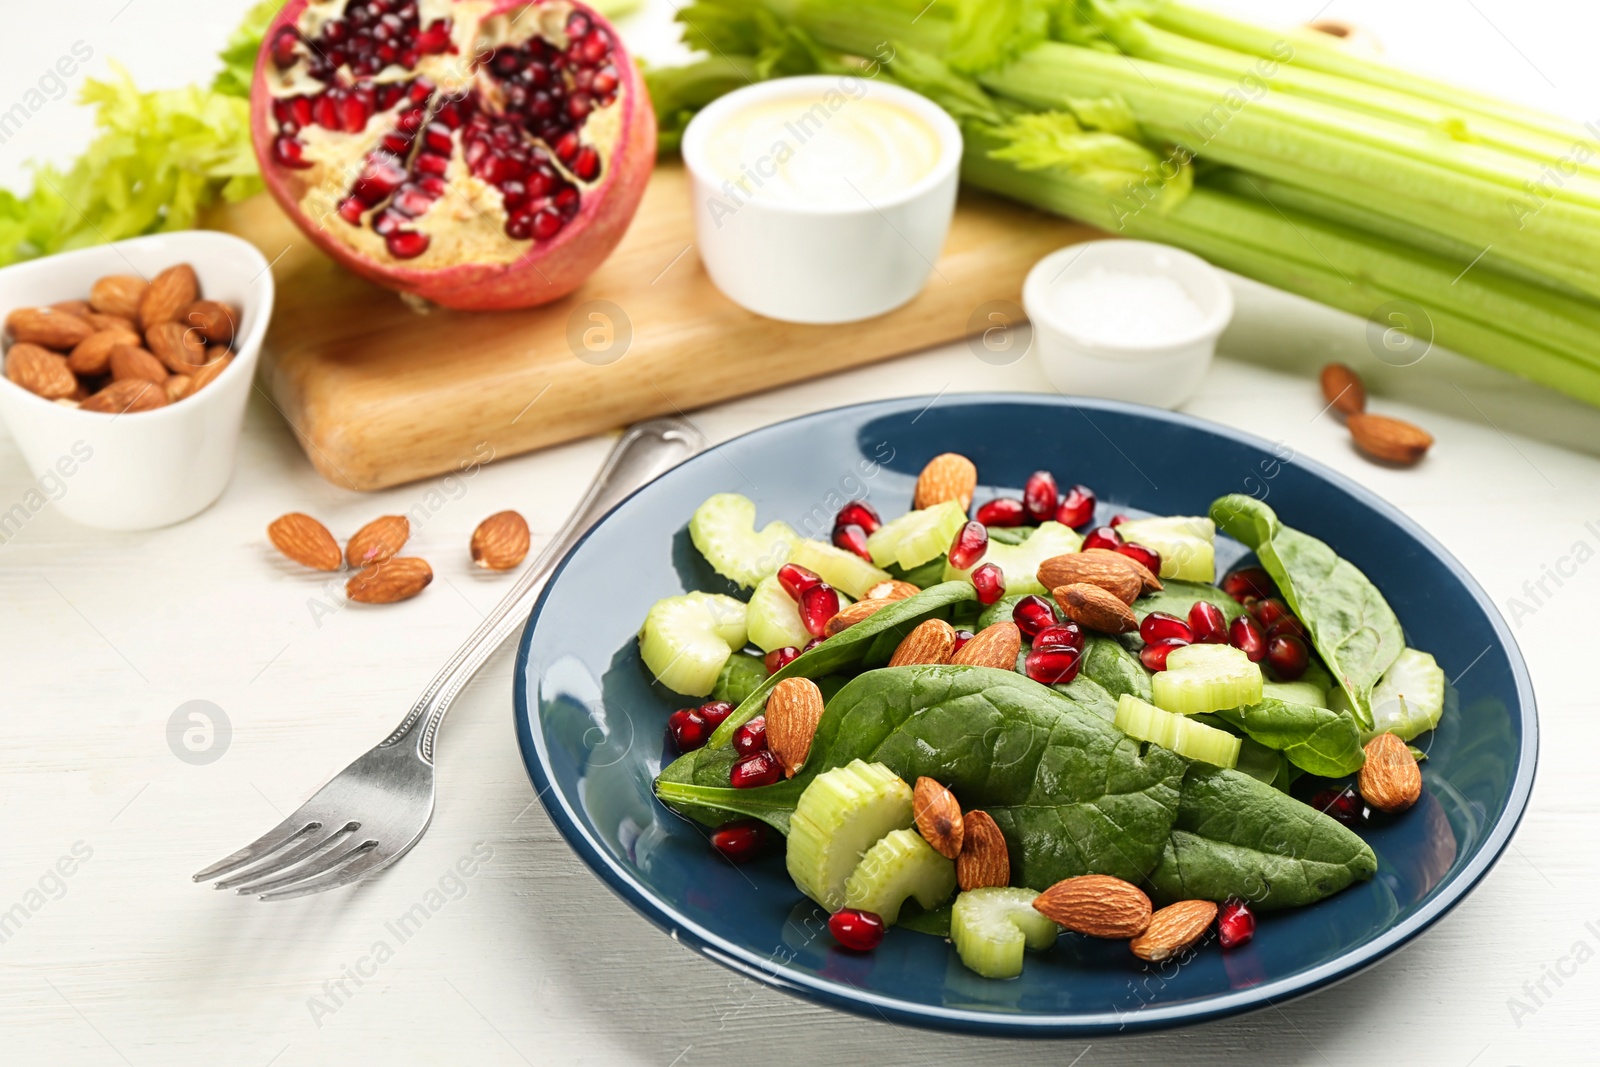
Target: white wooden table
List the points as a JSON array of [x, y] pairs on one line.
[[530, 959]]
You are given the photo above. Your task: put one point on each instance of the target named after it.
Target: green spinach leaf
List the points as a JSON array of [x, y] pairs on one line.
[[1324, 742], [741, 676], [1177, 597], [1114, 669]]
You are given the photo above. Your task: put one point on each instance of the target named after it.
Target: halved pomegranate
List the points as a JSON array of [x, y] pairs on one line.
[[482, 154]]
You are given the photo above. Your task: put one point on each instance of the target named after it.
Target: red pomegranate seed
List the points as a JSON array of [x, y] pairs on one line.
[[860, 931], [1053, 666], [1077, 507], [283, 47], [779, 658], [1288, 657], [1003, 511], [714, 712], [1063, 635], [741, 840], [796, 579], [1148, 557], [587, 165], [1269, 610], [1032, 614], [852, 538], [1236, 923], [1340, 805], [1248, 582], [990, 582], [818, 604], [859, 513], [1102, 537], [1040, 496], [1207, 623], [962, 637], [1245, 634], [969, 546], [546, 224], [1117, 520], [406, 244], [813, 643], [1159, 626], [290, 153], [689, 730], [351, 210], [1288, 626], [761, 769], [1154, 655], [751, 737]]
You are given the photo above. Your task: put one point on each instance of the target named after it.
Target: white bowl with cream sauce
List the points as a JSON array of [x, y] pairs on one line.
[[823, 198]]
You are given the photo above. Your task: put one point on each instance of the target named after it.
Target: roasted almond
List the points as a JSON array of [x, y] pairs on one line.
[[127, 397], [1342, 389], [893, 589], [984, 860], [378, 540], [1391, 440], [793, 710], [180, 348], [118, 294], [501, 541], [1173, 929], [949, 476], [995, 646], [395, 579], [215, 322], [168, 294], [48, 328], [1096, 904], [208, 374], [1086, 568], [1152, 584], [1095, 609], [40, 371], [851, 614], [1389, 780], [79, 308], [177, 387], [931, 642], [938, 817], [306, 541], [92, 356], [130, 361]]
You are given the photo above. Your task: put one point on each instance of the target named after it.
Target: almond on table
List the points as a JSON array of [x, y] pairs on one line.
[[306, 541], [391, 581], [501, 541], [378, 540]]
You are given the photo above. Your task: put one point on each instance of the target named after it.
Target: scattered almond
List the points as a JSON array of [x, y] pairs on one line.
[[40, 371], [793, 710], [214, 321], [938, 817], [304, 540], [1342, 389], [893, 589], [1096, 904], [392, 580], [378, 540], [177, 387], [949, 476], [1152, 584], [129, 396], [180, 348], [1095, 609], [984, 860], [1391, 440], [501, 541], [1389, 780], [994, 646], [208, 374], [1173, 929], [48, 328], [168, 294], [851, 614], [1087, 568], [118, 294], [129, 361], [92, 356], [931, 642]]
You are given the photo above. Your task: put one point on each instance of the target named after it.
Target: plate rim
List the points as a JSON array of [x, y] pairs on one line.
[[885, 1008]]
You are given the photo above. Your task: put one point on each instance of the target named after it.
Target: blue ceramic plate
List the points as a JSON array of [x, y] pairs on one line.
[[590, 721]]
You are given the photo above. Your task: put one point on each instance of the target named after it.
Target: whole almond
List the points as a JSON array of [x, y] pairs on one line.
[[851, 614], [984, 860], [92, 356], [40, 371], [1173, 929], [48, 328], [931, 642], [1389, 780], [501, 541], [995, 646], [214, 321], [169, 293], [392, 580], [118, 294], [306, 541], [1081, 567], [180, 348], [793, 710], [177, 387], [79, 308], [893, 589], [129, 361], [1152, 584], [1096, 904], [1342, 389], [1095, 609], [208, 374], [378, 540], [949, 476], [112, 322], [1391, 440], [938, 817], [129, 396]]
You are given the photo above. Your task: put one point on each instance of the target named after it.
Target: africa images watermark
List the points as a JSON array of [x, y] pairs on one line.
[[1537, 592], [51, 486], [1553, 177], [1536, 992], [51, 885]]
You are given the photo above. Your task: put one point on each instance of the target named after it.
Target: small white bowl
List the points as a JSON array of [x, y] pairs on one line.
[[1163, 374], [145, 469], [821, 264]]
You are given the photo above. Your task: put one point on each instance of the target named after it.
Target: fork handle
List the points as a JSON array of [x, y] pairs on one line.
[[646, 450]]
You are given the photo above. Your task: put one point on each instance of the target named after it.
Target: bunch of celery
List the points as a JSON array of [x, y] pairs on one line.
[[1280, 155]]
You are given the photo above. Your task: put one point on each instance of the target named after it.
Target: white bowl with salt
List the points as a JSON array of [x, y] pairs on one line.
[[1126, 320]]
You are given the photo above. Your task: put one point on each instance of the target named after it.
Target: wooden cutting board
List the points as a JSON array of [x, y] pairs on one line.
[[380, 393]]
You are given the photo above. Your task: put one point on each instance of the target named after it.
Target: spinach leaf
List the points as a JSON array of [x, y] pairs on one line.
[[1236, 836], [1010, 535], [1114, 669], [741, 676], [1351, 624], [1177, 597], [1255, 759], [1089, 695], [1324, 742], [1000, 610], [924, 575]]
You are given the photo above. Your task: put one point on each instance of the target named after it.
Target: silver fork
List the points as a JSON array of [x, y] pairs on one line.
[[374, 810]]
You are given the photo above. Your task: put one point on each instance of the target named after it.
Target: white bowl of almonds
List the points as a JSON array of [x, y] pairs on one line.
[[127, 368]]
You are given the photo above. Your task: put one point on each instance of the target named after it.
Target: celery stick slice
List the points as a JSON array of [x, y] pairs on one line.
[[845, 571], [1183, 735], [902, 864], [917, 536], [1201, 678], [991, 927], [841, 814], [723, 529], [686, 639]]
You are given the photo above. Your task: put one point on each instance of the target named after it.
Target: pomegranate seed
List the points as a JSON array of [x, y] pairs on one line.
[[1003, 511], [605, 81], [1236, 923], [852, 538], [411, 201], [779, 658], [1207, 623], [1245, 635], [714, 712], [741, 840], [1148, 557], [1032, 614], [969, 546], [1154, 655], [1063, 635], [962, 637], [578, 24], [290, 153], [796, 579], [388, 221], [990, 582], [751, 737], [761, 769], [818, 604], [431, 163], [1117, 520], [567, 147], [546, 224], [859, 513], [689, 730], [1077, 507], [1102, 537], [1288, 656], [1053, 666], [587, 165], [813, 643], [1040, 496], [406, 244], [859, 931], [1287, 626], [1159, 626], [325, 110], [1269, 610], [351, 210], [283, 47], [1248, 582], [435, 39], [380, 177], [354, 113], [1340, 805]]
